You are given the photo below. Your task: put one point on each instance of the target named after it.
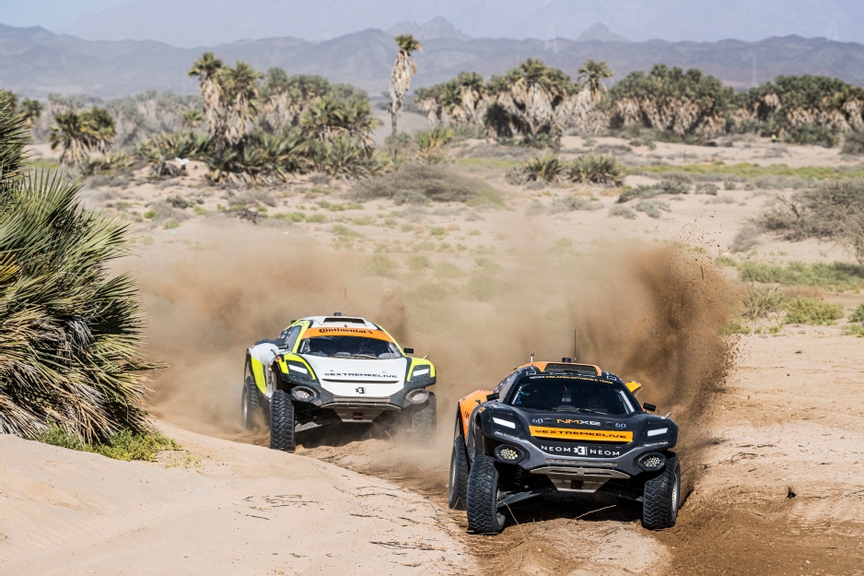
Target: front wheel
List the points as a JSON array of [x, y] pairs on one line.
[[662, 497], [250, 405], [281, 422], [459, 471], [482, 498], [425, 420]]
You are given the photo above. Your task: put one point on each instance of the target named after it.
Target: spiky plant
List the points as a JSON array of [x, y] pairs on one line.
[[69, 332], [400, 77], [32, 110], [596, 170]]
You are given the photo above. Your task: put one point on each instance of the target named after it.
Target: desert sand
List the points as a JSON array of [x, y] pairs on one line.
[[773, 456]]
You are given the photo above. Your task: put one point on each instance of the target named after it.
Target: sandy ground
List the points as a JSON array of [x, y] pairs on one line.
[[231, 509], [775, 465]]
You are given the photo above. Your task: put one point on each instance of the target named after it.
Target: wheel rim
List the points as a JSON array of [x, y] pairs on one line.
[[452, 473], [676, 485], [499, 516], [245, 405]]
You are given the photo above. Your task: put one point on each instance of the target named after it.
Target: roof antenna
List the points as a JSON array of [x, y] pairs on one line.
[[532, 358]]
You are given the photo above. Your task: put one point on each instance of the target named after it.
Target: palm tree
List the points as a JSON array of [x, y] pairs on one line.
[[192, 118], [206, 69], [70, 355], [98, 124], [239, 86], [32, 110], [400, 78], [591, 74], [71, 136]]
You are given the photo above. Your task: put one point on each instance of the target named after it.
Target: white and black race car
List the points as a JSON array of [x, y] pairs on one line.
[[566, 427], [325, 369]]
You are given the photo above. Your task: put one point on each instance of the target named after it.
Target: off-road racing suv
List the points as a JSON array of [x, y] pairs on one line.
[[325, 369], [567, 427]]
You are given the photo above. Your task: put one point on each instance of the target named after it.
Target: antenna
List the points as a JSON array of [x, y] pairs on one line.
[[532, 358]]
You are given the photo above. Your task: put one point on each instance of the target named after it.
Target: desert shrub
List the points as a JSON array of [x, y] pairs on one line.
[[762, 301], [547, 168], [420, 184], [746, 238], [857, 314], [853, 143], [124, 445], [721, 200], [728, 185], [833, 211], [481, 287], [666, 186], [622, 211], [808, 133], [573, 203], [651, 207], [835, 276], [806, 310], [779, 182], [735, 326], [596, 170], [708, 188], [430, 143]]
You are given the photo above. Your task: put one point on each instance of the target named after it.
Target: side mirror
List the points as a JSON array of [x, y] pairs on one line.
[[493, 396], [408, 350], [649, 407]]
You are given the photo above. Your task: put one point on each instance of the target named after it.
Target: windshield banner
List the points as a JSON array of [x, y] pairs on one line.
[[575, 434], [339, 331]]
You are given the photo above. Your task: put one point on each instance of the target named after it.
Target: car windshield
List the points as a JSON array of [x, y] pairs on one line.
[[349, 347], [572, 395]]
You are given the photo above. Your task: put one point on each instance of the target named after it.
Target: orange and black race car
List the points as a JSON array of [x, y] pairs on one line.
[[567, 427]]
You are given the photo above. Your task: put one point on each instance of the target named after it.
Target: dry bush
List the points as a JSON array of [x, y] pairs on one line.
[[833, 211], [573, 203], [747, 238], [622, 211], [420, 184], [652, 207], [853, 143]]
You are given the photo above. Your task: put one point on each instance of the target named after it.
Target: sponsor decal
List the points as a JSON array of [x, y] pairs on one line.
[[360, 390], [332, 374], [508, 436], [581, 451], [342, 331], [577, 434], [581, 422], [537, 420], [653, 444]]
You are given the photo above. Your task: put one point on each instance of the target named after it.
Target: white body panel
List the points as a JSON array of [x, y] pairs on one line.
[[359, 378]]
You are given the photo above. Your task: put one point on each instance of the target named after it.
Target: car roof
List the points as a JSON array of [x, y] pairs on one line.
[[335, 321], [575, 369]]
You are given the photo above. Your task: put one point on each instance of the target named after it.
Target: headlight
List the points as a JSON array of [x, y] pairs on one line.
[[505, 423], [651, 462], [302, 394], [418, 396], [657, 431], [509, 454], [297, 372], [421, 371]]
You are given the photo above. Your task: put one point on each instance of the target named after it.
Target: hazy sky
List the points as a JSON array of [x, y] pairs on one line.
[[192, 23]]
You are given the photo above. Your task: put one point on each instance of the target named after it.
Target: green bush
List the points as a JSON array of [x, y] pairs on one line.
[[124, 445], [421, 183], [805, 310], [853, 143], [857, 314], [596, 170], [812, 134], [836, 276]]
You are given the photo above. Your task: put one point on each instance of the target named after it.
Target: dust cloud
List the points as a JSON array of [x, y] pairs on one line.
[[653, 315]]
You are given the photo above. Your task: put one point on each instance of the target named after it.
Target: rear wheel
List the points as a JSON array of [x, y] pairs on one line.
[[459, 471], [482, 497], [425, 420], [662, 497], [281, 422], [250, 405]]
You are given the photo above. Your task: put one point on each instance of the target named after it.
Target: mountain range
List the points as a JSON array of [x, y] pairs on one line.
[[35, 62]]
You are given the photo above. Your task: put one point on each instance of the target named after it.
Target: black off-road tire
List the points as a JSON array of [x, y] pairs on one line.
[[425, 421], [459, 470], [662, 497], [281, 422], [250, 405], [482, 498]]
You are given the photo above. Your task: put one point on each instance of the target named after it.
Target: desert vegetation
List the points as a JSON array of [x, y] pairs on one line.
[[538, 103], [71, 331]]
